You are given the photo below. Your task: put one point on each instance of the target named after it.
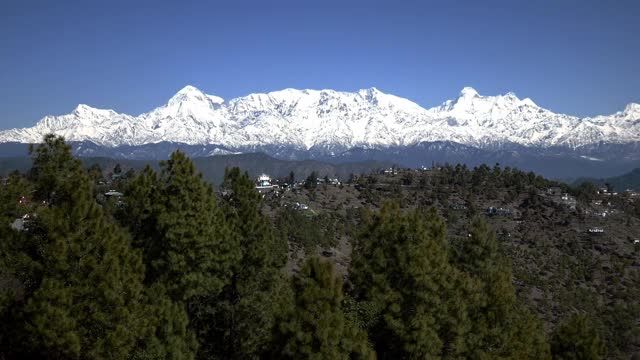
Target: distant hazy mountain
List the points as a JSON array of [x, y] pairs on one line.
[[212, 167], [630, 180]]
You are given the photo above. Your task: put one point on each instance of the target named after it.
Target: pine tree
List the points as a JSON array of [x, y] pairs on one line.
[[245, 308], [166, 335], [316, 327], [55, 171], [81, 292], [311, 181], [186, 241], [577, 339], [95, 173], [177, 221], [140, 215], [400, 268], [198, 248], [501, 326], [14, 196], [14, 263]]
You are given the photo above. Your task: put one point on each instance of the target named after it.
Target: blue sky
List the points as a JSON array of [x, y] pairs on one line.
[[571, 56]]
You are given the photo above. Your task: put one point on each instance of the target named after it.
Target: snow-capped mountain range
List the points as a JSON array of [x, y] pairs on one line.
[[336, 121]]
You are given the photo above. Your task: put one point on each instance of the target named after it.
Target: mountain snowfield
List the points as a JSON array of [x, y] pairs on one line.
[[336, 121]]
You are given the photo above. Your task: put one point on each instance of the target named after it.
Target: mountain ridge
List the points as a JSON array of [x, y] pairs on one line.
[[336, 121]]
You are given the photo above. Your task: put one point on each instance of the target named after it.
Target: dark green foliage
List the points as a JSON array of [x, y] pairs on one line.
[[140, 215], [16, 187], [187, 243], [400, 267], [316, 327], [186, 275], [175, 218], [198, 248], [630, 180], [501, 327], [55, 172], [586, 191], [95, 173], [246, 306], [577, 339], [311, 181], [431, 306], [80, 292], [166, 335], [305, 229]]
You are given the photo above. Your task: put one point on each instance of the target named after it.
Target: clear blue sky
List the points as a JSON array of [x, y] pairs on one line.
[[571, 56]]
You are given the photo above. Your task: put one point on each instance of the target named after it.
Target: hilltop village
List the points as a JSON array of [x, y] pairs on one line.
[[570, 248]]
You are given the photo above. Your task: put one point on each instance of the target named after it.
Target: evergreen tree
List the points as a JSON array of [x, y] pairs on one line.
[[140, 215], [15, 197], [13, 262], [316, 327], [577, 339], [245, 308], [95, 173], [312, 181], [80, 284], [186, 241], [175, 218], [166, 335], [55, 171], [501, 326], [401, 270]]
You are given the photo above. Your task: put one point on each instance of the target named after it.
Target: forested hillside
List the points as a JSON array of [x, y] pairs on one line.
[[153, 264], [630, 180]]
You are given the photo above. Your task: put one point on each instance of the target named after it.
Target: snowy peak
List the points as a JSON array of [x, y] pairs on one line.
[[336, 120], [188, 103], [470, 95], [83, 110], [468, 92], [370, 93], [632, 109], [528, 102], [192, 94], [473, 104]]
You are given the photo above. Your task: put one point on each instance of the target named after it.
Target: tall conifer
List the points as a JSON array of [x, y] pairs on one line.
[[316, 327], [186, 240], [501, 326], [82, 293], [400, 268], [577, 338], [246, 306]]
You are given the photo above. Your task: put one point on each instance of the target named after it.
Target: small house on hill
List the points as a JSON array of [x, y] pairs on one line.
[[390, 171], [595, 230], [554, 191], [113, 193], [264, 183], [499, 211]]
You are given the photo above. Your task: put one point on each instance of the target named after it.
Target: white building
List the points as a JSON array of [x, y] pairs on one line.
[[264, 183]]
